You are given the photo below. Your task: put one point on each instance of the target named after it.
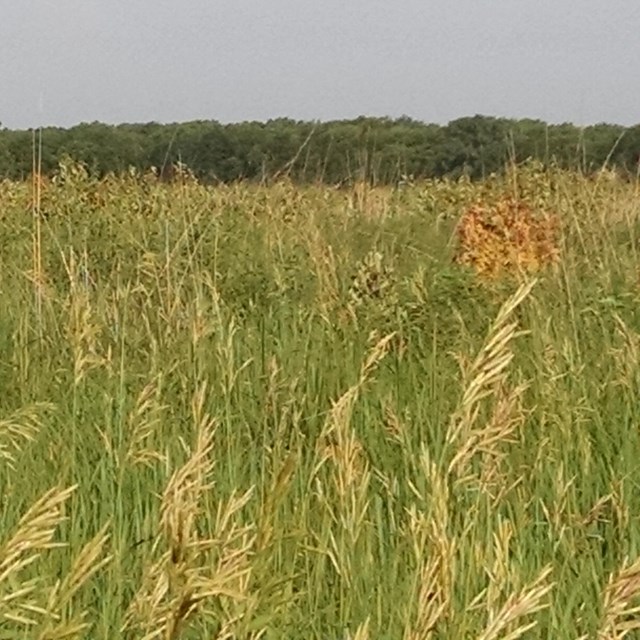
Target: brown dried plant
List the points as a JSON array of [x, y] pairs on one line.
[[506, 237]]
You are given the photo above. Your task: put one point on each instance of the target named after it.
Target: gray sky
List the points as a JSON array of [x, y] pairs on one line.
[[68, 61]]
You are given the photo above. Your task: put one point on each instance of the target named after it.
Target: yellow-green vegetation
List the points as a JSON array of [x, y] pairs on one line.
[[286, 413]]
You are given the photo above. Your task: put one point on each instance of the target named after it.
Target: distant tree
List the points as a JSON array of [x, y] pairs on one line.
[[627, 153], [375, 149]]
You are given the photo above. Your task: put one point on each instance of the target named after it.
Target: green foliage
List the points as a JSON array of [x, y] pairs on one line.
[[379, 150]]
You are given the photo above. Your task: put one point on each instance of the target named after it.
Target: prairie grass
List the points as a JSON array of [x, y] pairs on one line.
[[283, 412]]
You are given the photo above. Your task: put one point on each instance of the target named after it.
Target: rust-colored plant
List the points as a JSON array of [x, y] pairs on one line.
[[506, 237]]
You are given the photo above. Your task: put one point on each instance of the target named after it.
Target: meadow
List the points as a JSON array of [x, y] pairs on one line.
[[286, 412]]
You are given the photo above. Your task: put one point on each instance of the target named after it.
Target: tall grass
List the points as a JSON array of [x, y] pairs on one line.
[[282, 412]]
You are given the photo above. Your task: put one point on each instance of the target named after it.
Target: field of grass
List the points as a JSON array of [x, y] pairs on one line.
[[284, 412]]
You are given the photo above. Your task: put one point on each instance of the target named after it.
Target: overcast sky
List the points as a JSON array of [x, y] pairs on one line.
[[68, 61]]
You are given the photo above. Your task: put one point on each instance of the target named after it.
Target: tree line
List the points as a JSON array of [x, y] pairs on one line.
[[378, 149]]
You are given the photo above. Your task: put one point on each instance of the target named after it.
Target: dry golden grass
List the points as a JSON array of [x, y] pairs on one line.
[[504, 623], [34, 603], [19, 429], [621, 603], [483, 379], [192, 569]]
